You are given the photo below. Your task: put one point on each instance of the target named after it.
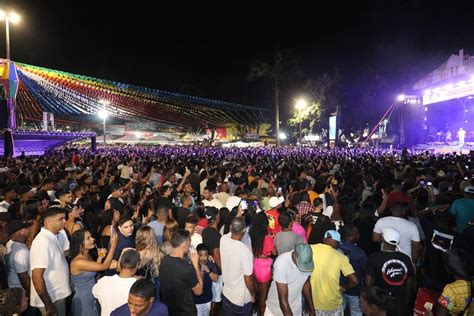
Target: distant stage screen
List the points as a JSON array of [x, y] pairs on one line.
[[332, 127]]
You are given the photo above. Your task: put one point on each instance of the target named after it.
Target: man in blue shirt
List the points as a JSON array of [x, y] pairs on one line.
[[358, 259], [141, 301], [463, 209]]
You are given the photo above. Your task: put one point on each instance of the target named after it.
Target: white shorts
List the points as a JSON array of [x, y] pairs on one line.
[[217, 290]]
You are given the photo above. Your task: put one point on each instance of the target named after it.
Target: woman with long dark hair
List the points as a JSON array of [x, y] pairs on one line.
[[84, 269], [262, 247], [109, 223]]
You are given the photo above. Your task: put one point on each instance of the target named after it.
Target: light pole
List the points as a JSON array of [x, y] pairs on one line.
[[300, 106], [103, 114], [8, 17]]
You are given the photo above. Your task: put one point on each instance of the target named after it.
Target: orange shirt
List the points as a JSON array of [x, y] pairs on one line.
[[312, 196]]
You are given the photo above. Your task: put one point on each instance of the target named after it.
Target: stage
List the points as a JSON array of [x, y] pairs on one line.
[[445, 148], [34, 143]]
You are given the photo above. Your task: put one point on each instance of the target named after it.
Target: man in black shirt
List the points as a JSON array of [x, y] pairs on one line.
[[181, 213], [165, 197], [391, 270], [179, 279], [316, 223], [211, 238]]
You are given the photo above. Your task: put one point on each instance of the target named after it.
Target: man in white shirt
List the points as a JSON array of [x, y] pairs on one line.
[[49, 269], [461, 136], [223, 194], [17, 256], [9, 194], [209, 199], [112, 291], [237, 269], [409, 234], [291, 272]]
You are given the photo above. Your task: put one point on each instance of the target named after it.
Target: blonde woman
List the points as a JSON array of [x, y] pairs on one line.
[[170, 227], [150, 255]]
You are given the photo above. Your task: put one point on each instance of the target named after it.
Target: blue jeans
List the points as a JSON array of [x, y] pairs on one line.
[[354, 304], [230, 309]]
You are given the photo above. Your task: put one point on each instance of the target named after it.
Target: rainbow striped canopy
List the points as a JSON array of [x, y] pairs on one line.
[[75, 98]]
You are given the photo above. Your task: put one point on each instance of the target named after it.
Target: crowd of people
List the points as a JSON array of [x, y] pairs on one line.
[[188, 230]]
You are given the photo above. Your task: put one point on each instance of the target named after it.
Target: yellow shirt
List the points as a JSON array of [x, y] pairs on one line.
[[328, 265], [456, 296], [250, 179]]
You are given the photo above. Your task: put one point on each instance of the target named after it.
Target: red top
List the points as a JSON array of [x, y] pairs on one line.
[[201, 224], [273, 224], [395, 197]]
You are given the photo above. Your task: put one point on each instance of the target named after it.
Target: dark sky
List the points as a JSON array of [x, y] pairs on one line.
[[206, 50]]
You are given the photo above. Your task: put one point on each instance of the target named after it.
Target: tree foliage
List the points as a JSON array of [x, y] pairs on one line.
[[324, 98]]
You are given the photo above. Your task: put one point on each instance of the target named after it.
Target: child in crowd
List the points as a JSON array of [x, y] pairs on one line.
[[209, 275]]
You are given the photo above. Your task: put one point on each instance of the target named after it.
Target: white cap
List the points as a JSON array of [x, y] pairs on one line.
[[232, 202], [391, 236], [469, 189], [275, 201]]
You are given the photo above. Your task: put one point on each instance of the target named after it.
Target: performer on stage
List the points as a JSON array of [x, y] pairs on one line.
[[461, 135], [448, 136]]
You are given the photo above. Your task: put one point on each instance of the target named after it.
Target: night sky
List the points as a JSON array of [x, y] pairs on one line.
[[206, 50]]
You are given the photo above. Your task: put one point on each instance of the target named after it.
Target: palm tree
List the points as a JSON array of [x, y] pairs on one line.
[[282, 62]]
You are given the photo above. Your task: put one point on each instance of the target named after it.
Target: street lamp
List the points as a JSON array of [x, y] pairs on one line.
[[300, 106], [103, 114], [8, 17]]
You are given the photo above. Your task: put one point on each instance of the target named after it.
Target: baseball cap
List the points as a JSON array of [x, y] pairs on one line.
[[333, 235], [24, 189], [16, 225], [275, 201], [211, 213], [115, 186], [304, 257], [391, 236], [469, 189], [257, 192], [232, 202]]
